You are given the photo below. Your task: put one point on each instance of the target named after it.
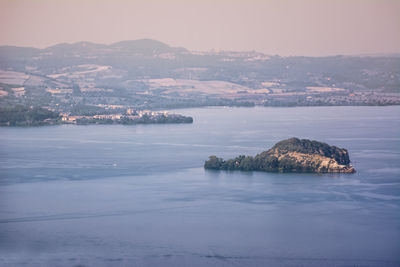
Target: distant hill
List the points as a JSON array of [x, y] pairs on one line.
[[151, 74]]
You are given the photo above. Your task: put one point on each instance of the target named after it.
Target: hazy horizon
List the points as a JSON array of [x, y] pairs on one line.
[[307, 27], [389, 54]]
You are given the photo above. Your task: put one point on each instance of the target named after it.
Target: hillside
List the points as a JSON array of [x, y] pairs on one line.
[[150, 74]]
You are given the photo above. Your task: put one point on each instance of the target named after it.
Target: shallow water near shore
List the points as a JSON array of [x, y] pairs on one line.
[[137, 195]]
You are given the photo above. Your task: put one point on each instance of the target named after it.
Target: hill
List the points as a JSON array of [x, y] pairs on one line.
[[149, 74]]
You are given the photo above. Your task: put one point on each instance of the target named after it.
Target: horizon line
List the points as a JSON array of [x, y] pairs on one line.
[[215, 50]]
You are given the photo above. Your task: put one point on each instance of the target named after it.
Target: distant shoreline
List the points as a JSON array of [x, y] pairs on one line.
[[182, 118], [261, 106]]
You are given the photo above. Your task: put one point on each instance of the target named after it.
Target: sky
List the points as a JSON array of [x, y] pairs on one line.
[[283, 27]]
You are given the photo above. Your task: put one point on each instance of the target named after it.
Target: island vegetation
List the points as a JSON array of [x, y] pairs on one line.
[[291, 155]]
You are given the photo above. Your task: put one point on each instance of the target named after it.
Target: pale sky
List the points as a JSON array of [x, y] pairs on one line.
[[284, 27]]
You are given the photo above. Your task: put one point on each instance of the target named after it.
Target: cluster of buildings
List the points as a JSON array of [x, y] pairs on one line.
[[130, 114]]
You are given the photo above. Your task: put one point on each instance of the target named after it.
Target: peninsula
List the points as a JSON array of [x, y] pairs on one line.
[[291, 155], [35, 116]]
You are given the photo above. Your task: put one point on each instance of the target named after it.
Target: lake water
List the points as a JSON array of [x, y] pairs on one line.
[[113, 195]]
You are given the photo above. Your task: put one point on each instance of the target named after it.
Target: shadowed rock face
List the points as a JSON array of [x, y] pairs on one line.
[[291, 155]]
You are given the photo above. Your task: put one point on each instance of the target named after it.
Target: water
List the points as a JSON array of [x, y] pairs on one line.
[[113, 195]]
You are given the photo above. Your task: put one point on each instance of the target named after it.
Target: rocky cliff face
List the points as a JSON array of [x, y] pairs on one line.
[[306, 146], [291, 155]]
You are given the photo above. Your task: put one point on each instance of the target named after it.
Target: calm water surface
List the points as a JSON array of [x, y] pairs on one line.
[[138, 195]]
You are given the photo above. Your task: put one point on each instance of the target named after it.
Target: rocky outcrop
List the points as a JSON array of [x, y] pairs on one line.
[[291, 155]]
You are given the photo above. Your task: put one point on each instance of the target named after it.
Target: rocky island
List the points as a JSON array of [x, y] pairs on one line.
[[291, 155]]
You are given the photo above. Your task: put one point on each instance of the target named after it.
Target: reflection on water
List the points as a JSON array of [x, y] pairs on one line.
[[138, 195]]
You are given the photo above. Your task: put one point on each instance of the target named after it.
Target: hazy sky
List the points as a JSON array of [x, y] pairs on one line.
[[285, 27]]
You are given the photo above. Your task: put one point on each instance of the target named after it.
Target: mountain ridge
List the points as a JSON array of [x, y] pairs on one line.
[[161, 43]]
